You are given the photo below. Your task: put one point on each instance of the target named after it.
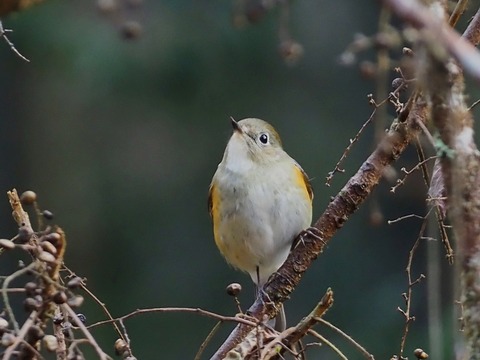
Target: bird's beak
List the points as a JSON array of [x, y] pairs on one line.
[[235, 125]]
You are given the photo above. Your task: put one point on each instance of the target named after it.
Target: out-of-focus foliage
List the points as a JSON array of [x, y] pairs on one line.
[[120, 140]]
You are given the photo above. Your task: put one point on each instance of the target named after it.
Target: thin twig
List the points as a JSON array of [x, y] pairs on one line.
[[205, 342], [236, 319], [7, 40], [401, 218], [419, 165], [475, 103], [411, 283], [100, 303], [359, 347], [337, 167], [457, 12], [328, 343]]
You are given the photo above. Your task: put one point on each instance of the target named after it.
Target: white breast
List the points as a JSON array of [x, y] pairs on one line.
[[262, 210]]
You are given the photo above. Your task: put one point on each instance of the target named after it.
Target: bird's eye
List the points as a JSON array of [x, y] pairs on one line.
[[263, 138]]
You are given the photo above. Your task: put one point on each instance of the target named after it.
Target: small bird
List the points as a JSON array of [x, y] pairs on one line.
[[260, 199]]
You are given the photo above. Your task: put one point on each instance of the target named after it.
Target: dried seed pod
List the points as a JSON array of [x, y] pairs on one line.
[[234, 289], [7, 244], [120, 346], [53, 238], [31, 304], [407, 51], [47, 214], [74, 283], [47, 257], [50, 342], [397, 82], [28, 197], [30, 288], [35, 333], [24, 234], [420, 354], [131, 30], [75, 301], [7, 339], [3, 325], [49, 247]]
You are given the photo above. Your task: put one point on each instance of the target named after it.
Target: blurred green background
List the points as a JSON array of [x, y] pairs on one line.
[[120, 140]]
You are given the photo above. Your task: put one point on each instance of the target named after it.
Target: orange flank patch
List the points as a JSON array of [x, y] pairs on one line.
[[214, 209], [302, 180]]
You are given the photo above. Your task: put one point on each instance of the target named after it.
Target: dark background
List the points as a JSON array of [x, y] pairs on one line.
[[121, 138]]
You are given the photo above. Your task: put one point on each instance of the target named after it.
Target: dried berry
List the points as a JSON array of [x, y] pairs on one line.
[[7, 339], [24, 234], [31, 304], [30, 288], [35, 333], [60, 297], [50, 342], [131, 30], [120, 346], [28, 197], [53, 238], [74, 283], [420, 354], [234, 289], [47, 214], [47, 257], [3, 325], [49, 247], [75, 301]]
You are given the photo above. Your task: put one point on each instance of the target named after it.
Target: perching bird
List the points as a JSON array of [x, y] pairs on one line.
[[260, 199]]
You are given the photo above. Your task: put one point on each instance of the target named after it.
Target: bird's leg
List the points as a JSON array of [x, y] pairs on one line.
[[280, 320]]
